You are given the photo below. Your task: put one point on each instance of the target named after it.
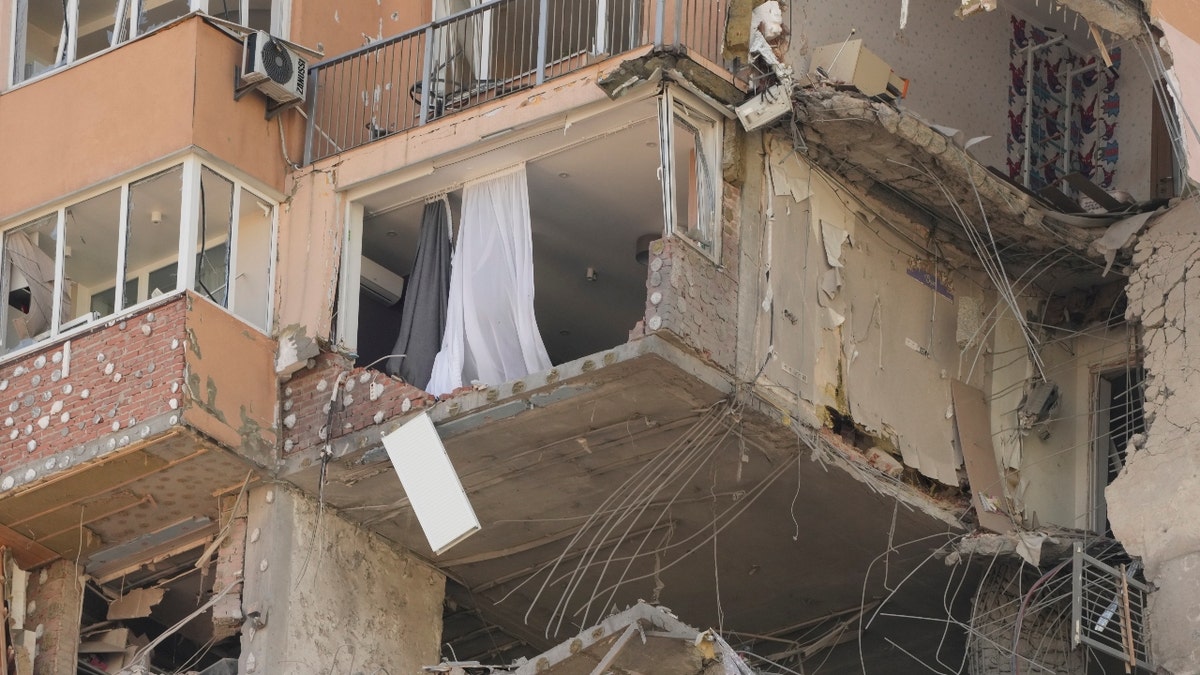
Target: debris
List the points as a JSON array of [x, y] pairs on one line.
[[135, 604]]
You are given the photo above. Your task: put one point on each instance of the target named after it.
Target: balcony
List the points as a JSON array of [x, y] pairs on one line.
[[481, 54], [125, 428]]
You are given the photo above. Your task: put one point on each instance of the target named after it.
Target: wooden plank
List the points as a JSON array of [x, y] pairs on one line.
[[85, 482], [1060, 201], [973, 427], [1095, 192], [27, 552]]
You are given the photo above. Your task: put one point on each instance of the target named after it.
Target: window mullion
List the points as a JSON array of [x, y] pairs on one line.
[[230, 251], [72, 32], [190, 212], [122, 246], [60, 264], [666, 170]]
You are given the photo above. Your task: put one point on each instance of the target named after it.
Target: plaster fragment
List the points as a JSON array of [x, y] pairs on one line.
[[108, 369], [8, 421], [57, 357], [144, 432], [36, 380], [50, 464], [270, 496], [56, 375], [174, 420], [67, 389], [19, 371], [65, 417], [325, 408], [323, 433], [85, 393], [287, 405], [117, 377], [349, 386], [56, 408], [40, 362], [31, 446], [100, 357], [406, 405], [46, 396], [174, 387], [290, 421], [116, 426], [378, 417], [43, 422], [7, 483], [37, 411], [150, 317], [3, 385], [28, 429], [13, 435], [175, 344], [14, 406], [112, 443], [124, 441], [254, 535], [364, 377], [287, 391], [288, 445], [347, 400], [146, 329], [322, 385], [30, 474], [64, 461]]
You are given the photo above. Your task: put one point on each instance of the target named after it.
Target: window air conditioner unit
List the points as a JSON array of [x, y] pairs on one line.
[[383, 285], [273, 68]]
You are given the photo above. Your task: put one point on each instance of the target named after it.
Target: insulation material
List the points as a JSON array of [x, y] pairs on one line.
[[1074, 99], [432, 485], [789, 175], [973, 425], [833, 237], [970, 321], [423, 316], [491, 330]]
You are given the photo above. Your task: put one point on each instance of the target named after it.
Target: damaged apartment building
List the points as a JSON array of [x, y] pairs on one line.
[[723, 336]]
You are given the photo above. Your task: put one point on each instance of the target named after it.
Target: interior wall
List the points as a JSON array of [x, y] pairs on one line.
[[1185, 50], [958, 68], [368, 607], [879, 342], [1136, 88]]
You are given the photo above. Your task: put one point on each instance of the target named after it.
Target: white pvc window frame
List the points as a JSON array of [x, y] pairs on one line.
[[186, 250], [126, 14], [677, 107]]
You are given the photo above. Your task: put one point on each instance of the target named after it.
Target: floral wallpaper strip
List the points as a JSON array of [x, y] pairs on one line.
[[1074, 111]]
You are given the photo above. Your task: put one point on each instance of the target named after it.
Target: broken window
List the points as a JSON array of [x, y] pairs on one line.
[[592, 225], [1118, 418], [53, 33], [216, 218], [29, 281], [690, 145], [129, 237]]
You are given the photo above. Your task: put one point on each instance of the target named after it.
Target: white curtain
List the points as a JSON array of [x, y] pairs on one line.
[[491, 331]]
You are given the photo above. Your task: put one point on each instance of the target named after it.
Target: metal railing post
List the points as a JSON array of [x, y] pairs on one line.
[[313, 88], [427, 94], [543, 30], [660, 16]]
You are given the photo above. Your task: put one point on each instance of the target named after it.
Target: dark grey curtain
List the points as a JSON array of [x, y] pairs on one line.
[[423, 316]]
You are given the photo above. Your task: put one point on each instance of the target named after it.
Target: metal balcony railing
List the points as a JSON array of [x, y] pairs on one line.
[[485, 52]]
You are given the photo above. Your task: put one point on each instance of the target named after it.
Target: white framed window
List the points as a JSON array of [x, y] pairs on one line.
[[183, 226], [690, 149], [50, 34]]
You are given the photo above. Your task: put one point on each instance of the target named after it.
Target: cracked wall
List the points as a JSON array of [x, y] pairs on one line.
[[1154, 504]]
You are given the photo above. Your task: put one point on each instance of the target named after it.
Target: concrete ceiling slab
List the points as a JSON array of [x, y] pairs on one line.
[[644, 481]]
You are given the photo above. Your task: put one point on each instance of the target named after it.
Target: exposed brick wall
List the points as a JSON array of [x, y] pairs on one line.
[[364, 398], [92, 385], [54, 602], [694, 298]]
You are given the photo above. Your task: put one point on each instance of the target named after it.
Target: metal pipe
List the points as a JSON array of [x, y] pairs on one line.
[[543, 26]]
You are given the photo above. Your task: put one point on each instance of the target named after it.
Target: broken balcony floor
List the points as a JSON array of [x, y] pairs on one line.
[[539, 456]]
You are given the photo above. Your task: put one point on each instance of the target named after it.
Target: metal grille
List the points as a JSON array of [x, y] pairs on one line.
[[1109, 610], [480, 54]]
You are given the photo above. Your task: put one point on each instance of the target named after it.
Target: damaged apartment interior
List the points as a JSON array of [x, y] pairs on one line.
[[598, 336]]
